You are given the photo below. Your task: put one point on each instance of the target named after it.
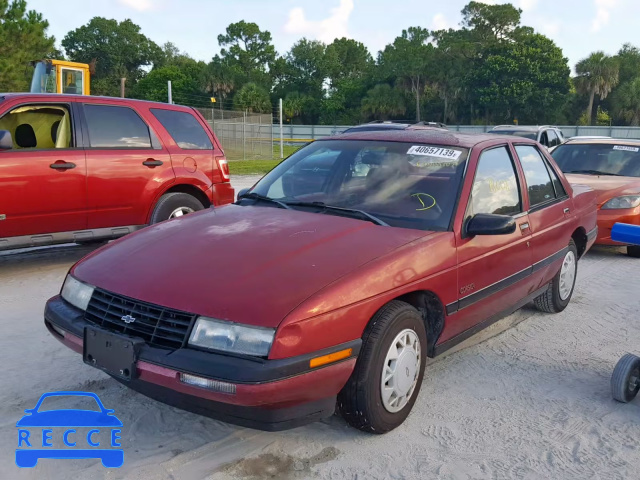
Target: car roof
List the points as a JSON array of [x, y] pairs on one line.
[[58, 96], [604, 141], [429, 135], [523, 128]]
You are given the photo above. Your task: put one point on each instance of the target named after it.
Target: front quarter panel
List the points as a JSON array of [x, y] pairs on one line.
[[340, 312]]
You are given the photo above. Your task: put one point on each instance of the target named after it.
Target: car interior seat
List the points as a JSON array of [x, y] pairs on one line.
[[54, 131], [26, 136]]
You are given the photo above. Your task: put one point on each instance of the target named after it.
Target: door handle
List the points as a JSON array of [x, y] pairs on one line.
[[60, 165], [567, 210], [150, 162], [524, 226]]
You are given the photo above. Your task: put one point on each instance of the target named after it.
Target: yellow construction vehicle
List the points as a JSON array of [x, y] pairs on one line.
[[60, 76]]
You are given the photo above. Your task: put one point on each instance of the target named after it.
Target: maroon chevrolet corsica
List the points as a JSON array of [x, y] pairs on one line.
[[330, 282]]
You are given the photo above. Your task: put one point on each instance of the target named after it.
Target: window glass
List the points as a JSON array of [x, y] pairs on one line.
[[557, 184], [495, 186], [38, 126], [71, 81], [536, 175], [116, 127], [599, 159], [553, 139], [184, 128], [405, 185], [544, 139]]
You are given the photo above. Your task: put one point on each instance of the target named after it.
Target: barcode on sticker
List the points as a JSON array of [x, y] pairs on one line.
[[626, 149], [438, 152]]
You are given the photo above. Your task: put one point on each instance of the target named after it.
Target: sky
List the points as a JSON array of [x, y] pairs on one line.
[[579, 27]]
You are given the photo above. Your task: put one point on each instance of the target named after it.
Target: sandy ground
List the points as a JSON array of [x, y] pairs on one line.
[[527, 399]]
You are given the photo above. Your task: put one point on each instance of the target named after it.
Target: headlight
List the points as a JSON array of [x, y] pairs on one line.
[[77, 293], [231, 337], [627, 201]]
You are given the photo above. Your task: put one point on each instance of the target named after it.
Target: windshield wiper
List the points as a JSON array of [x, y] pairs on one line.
[[352, 212], [595, 172], [264, 198]]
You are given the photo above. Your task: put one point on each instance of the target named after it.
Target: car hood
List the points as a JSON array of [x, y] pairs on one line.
[[246, 264], [607, 186]]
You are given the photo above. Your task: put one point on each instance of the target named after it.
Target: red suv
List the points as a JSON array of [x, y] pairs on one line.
[[83, 169]]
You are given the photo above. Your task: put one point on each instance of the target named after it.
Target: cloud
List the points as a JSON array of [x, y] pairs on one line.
[[528, 5], [327, 30], [550, 28], [603, 14], [139, 5], [439, 22]]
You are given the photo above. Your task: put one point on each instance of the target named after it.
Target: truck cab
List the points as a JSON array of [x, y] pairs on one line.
[[59, 76]]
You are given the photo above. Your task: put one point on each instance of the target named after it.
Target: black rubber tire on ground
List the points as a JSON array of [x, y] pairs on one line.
[[360, 401], [550, 301], [633, 251], [169, 202], [627, 371]]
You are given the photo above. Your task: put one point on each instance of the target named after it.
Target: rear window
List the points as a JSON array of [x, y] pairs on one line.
[[184, 128], [116, 127], [516, 133], [599, 159]]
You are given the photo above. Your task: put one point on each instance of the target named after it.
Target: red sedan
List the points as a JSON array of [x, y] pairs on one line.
[[331, 280]]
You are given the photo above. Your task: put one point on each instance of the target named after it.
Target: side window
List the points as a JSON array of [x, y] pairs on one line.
[[544, 139], [536, 174], [71, 81], [553, 139], [495, 186], [184, 128], [39, 126], [115, 127]]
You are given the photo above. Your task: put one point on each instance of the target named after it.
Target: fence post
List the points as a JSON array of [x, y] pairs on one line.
[[271, 130], [313, 132], [244, 135], [281, 133], [169, 91]]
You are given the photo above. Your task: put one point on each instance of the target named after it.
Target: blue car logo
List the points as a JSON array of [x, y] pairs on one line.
[[36, 437]]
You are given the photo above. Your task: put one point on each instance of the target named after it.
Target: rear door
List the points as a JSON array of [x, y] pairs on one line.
[[42, 179], [549, 208], [493, 270], [127, 165]]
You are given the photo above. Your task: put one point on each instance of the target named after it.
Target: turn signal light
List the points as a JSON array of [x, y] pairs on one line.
[[213, 385], [332, 357]]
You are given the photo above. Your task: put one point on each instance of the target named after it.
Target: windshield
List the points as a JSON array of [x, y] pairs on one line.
[[43, 81], [516, 133], [402, 184], [605, 159]]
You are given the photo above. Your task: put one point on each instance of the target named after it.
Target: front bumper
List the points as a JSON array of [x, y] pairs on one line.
[[607, 218], [269, 394]]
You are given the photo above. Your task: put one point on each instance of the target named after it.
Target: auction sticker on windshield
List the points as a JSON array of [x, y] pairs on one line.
[[439, 152], [626, 149]]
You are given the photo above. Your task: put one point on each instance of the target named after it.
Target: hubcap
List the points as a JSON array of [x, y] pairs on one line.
[[400, 371], [634, 381], [181, 211], [567, 275]]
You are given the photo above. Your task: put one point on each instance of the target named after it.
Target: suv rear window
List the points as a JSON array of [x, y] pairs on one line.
[[184, 128], [116, 127]]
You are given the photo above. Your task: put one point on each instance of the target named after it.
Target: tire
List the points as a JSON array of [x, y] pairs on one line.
[[625, 381], [171, 202], [633, 251], [555, 299], [360, 402]]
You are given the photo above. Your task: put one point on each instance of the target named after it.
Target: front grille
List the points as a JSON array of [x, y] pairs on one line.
[[158, 326]]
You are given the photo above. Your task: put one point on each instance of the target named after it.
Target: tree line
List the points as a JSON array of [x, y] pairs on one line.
[[491, 70]]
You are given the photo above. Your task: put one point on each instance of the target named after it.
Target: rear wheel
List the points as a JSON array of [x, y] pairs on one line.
[[388, 374], [625, 382], [175, 205], [559, 291], [633, 251]]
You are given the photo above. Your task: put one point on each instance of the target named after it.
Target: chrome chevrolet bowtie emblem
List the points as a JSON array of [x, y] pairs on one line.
[[128, 319]]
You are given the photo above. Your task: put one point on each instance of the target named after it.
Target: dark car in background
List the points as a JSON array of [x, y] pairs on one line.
[[547, 135], [392, 125]]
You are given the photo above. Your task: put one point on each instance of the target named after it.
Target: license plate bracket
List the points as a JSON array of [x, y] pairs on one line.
[[112, 353]]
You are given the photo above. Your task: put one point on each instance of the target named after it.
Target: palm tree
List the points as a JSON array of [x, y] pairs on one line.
[[383, 102], [293, 105], [627, 102], [253, 99], [597, 75]]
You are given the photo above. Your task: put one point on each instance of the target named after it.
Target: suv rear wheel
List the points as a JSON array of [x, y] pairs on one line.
[[175, 205]]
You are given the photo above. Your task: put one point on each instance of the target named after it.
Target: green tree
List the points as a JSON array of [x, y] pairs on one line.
[[118, 48], [253, 99], [597, 74], [627, 102], [294, 105], [23, 38], [249, 50], [383, 102], [347, 58], [154, 85], [491, 23], [408, 59]]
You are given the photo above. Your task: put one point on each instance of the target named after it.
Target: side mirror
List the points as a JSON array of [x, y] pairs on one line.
[[242, 192], [6, 142], [490, 224]]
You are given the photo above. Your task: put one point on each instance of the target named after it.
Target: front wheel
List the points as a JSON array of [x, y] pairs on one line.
[[559, 291], [174, 205], [625, 382], [388, 374], [633, 251]]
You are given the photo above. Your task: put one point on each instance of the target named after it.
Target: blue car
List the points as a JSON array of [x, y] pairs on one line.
[[28, 457]]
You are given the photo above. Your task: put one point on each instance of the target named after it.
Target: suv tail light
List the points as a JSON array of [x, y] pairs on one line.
[[223, 165]]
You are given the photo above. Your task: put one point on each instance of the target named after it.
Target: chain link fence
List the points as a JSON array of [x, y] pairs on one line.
[[244, 136]]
